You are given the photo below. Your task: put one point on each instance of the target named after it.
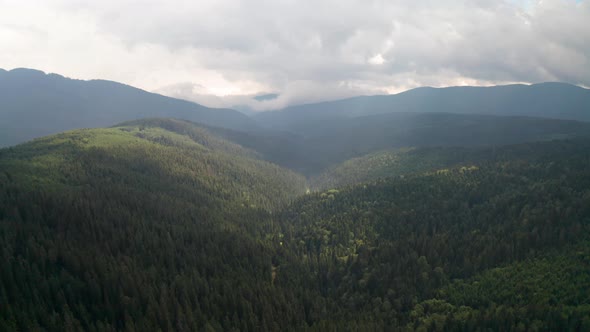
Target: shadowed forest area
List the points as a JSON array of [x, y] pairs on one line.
[[168, 225]]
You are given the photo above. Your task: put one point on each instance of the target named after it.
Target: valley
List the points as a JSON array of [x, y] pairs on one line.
[[404, 220]]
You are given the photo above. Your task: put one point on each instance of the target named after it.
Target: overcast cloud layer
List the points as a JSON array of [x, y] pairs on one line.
[[222, 52]]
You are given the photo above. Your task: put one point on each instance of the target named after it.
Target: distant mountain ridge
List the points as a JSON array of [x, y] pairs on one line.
[[547, 100], [307, 138], [438, 223], [34, 104], [322, 144]]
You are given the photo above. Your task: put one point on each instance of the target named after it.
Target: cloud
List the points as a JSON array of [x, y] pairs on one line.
[[293, 93], [377, 60], [223, 52]]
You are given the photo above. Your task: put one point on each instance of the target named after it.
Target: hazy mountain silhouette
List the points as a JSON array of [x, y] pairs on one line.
[[34, 104], [547, 100], [397, 220]]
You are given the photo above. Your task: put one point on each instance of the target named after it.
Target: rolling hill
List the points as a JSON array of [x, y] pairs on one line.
[[165, 224], [164, 153], [326, 145], [333, 219], [113, 223], [501, 245], [403, 162], [307, 138]]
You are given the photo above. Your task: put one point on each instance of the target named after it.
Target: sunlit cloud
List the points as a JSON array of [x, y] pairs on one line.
[[223, 53]]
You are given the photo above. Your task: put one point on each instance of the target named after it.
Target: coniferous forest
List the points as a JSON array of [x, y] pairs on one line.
[[167, 225], [299, 165]]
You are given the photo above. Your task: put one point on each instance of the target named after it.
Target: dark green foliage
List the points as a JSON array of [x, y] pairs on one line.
[[402, 162], [322, 144], [328, 133], [382, 248], [165, 225], [138, 226], [308, 138], [171, 157], [550, 291]]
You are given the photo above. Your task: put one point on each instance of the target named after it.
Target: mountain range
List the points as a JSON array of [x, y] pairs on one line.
[[35, 104], [122, 210], [306, 138], [546, 100]]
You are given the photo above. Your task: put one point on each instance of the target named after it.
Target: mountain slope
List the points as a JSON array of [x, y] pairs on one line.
[[548, 100], [163, 152], [324, 145], [547, 291], [163, 224], [408, 162], [139, 226], [33, 104], [390, 250]]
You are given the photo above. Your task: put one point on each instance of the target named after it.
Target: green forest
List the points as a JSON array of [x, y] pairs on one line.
[[166, 225]]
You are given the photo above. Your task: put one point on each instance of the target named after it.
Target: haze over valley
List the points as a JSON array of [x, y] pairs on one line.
[[309, 166]]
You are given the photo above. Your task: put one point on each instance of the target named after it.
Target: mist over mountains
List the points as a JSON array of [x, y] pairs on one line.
[[433, 210], [547, 100], [321, 166], [308, 138], [35, 104]]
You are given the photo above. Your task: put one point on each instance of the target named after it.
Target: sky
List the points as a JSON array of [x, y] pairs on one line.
[[223, 53]]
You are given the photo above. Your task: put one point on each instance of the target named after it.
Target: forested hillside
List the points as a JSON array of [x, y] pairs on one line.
[[423, 251], [164, 224], [412, 161], [151, 224], [320, 144], [306, 138], [323, 166]]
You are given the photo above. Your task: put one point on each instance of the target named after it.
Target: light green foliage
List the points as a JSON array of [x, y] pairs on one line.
[[153, 150], [163, 225], [550, 291], [557, 276], [405, 239]]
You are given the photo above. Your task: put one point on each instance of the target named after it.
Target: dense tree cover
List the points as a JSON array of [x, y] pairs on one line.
[[406, 161], [383, 248], [327, 141], [389, 163], [549, 292], [174, 157], [163, 225], [135, 227]]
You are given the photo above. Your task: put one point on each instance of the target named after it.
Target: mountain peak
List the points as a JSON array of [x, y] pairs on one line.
[[36, 104], [27, 71]]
